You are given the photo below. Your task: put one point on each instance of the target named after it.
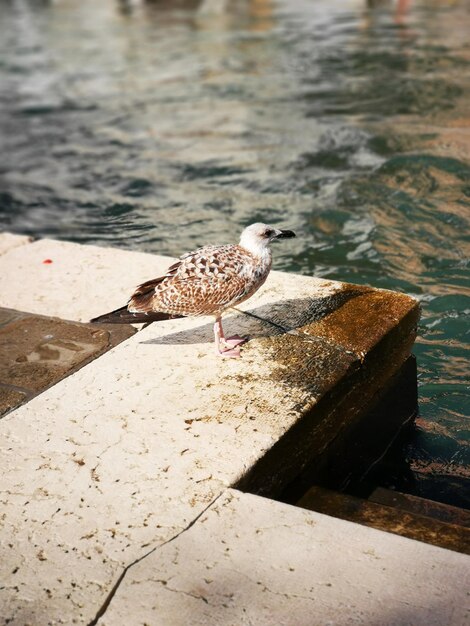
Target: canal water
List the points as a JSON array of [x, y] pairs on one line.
[[163, 125]]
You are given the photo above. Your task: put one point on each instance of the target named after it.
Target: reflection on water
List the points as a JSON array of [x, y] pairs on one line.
[[163, 125]]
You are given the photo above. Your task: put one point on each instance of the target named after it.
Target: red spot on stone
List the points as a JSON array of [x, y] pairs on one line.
[[47, 261]]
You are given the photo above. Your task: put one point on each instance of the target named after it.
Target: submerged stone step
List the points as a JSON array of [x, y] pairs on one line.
[[421, 506], [391, 519], [121, 456]]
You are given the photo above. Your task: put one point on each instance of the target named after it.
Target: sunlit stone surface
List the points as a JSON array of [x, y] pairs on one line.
[[126, 453]]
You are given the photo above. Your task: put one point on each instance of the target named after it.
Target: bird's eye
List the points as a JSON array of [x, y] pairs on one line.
[[268, 233]]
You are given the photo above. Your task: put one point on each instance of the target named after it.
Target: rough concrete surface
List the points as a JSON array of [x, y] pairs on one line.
[[119, 457], [71, 281], [8, 241], [249, 560]]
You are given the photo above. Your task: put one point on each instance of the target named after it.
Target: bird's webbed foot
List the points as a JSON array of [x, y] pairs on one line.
[[229, 353], [234, 341]]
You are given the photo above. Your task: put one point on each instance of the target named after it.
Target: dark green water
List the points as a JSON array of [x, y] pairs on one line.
[[164, 125]]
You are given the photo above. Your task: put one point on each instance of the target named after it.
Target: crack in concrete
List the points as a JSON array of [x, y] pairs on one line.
[[197, 596], [185, 593], [265, 588], [103, 608]]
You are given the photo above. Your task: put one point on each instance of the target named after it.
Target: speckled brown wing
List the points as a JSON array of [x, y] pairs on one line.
[[204, 282]]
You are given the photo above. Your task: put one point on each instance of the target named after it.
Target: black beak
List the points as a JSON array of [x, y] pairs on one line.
[[285, 234]]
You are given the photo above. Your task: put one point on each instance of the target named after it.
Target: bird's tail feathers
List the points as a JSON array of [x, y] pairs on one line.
[[124, 316]]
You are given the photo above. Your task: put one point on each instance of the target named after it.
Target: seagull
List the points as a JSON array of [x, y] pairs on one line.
[[208, 281]]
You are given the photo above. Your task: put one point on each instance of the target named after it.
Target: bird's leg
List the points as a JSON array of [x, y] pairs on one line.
[[223, 348], [233, 341]]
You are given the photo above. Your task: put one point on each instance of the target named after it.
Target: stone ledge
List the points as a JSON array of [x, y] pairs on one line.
[[129, 450]]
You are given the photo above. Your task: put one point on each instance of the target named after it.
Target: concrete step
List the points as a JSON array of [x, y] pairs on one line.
[[421, 506], [388, 518], [249, 560]]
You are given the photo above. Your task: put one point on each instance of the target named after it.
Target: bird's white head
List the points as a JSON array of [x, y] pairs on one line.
[[257, 237]]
